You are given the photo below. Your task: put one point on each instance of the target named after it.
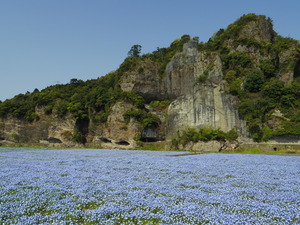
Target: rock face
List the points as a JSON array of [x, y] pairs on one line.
[[194, 104], [199, 105], [145, 80], [205, 107], [180, 71], [41, 131], [261, 30], [289, 57], [116, 132]]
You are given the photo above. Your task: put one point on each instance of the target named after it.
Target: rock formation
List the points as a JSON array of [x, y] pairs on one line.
[[189, 78]]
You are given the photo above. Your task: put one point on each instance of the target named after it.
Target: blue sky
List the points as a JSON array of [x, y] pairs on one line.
[[45, 42]]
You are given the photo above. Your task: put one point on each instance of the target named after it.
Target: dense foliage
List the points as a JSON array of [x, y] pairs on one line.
[[203, 134], [146, 119]]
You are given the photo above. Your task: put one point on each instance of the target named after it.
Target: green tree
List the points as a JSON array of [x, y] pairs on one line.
[[230, 76], [135, 51], [254, 81], [273, 89], [75, 81], [231, 135], [235, 87], [60, 108], [268, 67]]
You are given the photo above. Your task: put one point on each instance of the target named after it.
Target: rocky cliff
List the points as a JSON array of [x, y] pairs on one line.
[[199, 104], [236, 81]]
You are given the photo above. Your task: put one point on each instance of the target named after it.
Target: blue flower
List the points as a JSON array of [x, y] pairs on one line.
[[138, 187]]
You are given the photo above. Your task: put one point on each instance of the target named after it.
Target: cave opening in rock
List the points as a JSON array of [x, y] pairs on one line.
[[122, 142], [149, 139], [297, 69], [105, 140], [53, 140]]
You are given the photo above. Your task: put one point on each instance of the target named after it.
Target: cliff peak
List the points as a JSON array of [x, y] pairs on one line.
[[258, 27]]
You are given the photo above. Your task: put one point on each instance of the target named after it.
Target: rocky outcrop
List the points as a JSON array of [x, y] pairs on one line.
[[144, 80], [290, 66], [116, 132], [206, 107], [260, 29], [199, 104], [180, 77], [47, 129], [194, 104]]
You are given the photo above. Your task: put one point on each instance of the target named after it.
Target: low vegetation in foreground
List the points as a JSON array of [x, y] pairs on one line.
[[90, 186]]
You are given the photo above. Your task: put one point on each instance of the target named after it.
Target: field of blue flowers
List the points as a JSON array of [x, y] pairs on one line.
[[90, 186]]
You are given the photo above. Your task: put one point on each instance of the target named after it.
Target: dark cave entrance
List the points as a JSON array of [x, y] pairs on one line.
[[149, 139], [122, 142], [297, 69]]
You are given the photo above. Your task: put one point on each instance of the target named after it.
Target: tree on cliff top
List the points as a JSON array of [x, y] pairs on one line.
[[135, 51]]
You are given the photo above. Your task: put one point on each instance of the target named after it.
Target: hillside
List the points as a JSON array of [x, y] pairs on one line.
[[243, 84]]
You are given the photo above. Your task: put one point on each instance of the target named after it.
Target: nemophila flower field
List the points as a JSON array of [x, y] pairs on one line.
[[147, 187]]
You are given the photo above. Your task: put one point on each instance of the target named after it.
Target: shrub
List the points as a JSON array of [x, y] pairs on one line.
[[267, 133], [230, 76], [268, 67], [189, 135], [255, 130], [249, 42], [31, 116], [160, 105], [203, 134], [254, 81], [100, 117], [146, 119], [78, 137], [235, 87], [288, 128], [202, 78], [273, 89], [134, 98], [234, 60], [60, 108], [245, 107], [231, 135]]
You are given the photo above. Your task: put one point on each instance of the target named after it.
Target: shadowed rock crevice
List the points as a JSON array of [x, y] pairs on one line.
[[297, 69], [82, 128], [53, 140], [122, 142], [105, 140], [150, 134]]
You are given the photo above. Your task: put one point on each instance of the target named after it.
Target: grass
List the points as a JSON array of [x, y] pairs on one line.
[[260, 151], [153, 146], [164, 146]]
